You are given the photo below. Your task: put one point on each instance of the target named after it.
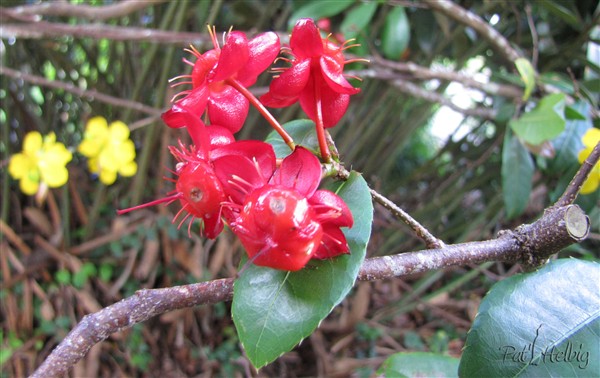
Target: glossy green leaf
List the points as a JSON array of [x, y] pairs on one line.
[[419, 364], [318, 9], [274, 310], [527, 73], [568, 144], [427, 29], [559, 81], [517, 172], [571, 113], [396, 33], [357, 19], [546, 121], [541, 324], [561, 9], [301, 130]]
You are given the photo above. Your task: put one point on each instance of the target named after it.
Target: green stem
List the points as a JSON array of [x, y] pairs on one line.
[[325, 154], [99, 197], [66, 215], [263, 111]]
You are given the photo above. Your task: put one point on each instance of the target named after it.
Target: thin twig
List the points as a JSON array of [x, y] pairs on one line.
[[43, 29], [403, 84], [582, 174], [424, 73], [534, 36], [416, 91], [89, 93], [491, 35], [430, 241], [90, 12], [422, 232]]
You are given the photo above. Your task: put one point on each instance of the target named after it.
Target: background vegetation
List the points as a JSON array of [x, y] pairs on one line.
[[71, 255]]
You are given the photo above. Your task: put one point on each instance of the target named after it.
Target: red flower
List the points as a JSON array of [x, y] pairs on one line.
[[285, 221], [239, 61], [197, 186], [315, 78]]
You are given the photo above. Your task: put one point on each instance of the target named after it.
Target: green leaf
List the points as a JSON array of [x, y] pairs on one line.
[[545, 323], [274, 310], [318, 9], [357, 19], [63, 276], [571, 113], [527, 73], [301, 130], [561, 82], [427, 30], [568, 144], [419, 364], [544, 122], [517, 172], [396, 33], [560, 9]]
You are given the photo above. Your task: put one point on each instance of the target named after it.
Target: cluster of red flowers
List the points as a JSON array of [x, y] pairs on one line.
[[276, 210]]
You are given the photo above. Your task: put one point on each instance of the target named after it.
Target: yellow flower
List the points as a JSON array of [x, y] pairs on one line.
[[590, 139], [42, 161], [109, 149]]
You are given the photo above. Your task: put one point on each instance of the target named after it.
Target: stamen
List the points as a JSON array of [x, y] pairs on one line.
[[350, 40], [183, 208], [241, 180], [166, 200], [171, 172], [192, 50], [356, 60], [179, 77], [237, 182], [354, 77], [183, 220], [189, 82], [182, 93], [213, 36], [322, 206], [190, 226], [232, 205], [225, 34], [256, 165], [336, 241]]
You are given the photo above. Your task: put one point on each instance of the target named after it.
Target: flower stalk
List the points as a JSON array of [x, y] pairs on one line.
[[264, 112]]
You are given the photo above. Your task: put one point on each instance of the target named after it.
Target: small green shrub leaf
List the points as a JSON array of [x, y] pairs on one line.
[[303, 133], [396, 33], [546, 121], [357, 19], [318, 9], [517, 172], [527, 73]]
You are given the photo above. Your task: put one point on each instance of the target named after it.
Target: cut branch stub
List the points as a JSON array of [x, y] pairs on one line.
[[558, 228]]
